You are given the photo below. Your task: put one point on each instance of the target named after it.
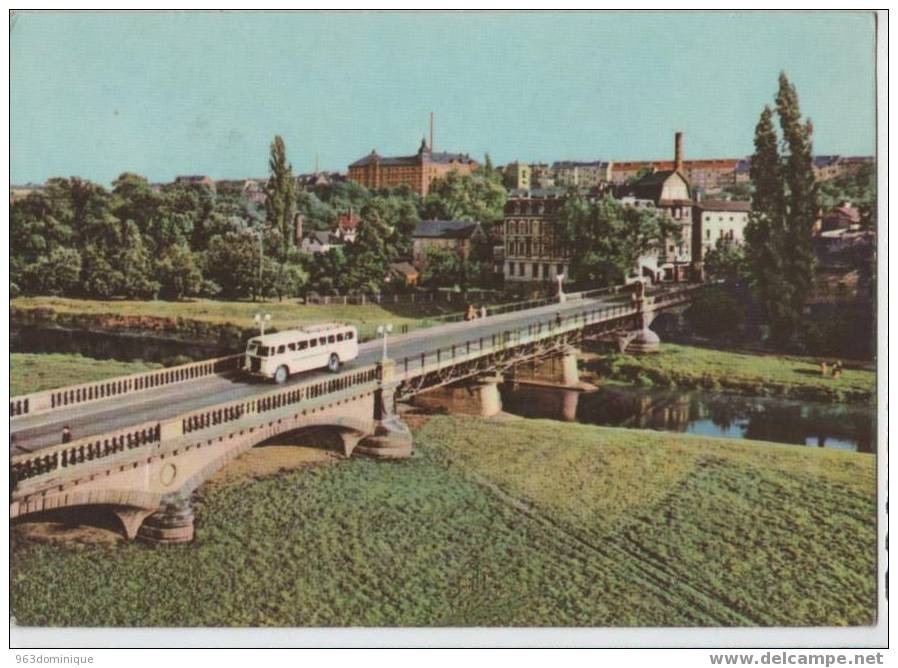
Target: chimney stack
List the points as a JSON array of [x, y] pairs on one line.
[[678, 151]]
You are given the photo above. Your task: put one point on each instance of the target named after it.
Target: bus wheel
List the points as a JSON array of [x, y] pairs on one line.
[[280, 376], [333, 364]]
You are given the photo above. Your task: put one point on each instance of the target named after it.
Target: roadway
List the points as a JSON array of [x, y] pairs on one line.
[[32, 432]]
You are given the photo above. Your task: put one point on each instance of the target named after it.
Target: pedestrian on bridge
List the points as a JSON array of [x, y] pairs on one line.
[[66, 434]]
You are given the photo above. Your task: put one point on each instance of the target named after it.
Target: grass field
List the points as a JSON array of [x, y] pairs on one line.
[[32, 372], [756, 374], [497, 522], [284, 314]]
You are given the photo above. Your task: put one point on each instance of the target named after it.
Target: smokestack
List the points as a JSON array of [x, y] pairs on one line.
[[431, 131], [678, 151]]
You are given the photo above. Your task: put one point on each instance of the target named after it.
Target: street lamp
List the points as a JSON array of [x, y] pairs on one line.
[[561, 295], [384, 330], [261, 320]]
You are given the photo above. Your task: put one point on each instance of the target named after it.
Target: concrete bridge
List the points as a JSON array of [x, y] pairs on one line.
[[143, 443]]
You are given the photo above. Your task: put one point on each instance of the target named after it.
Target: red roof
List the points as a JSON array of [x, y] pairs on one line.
[[348, 221]]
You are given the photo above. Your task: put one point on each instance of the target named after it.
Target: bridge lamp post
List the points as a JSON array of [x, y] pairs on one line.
[[561, 295], [383, 330], [261, 320]]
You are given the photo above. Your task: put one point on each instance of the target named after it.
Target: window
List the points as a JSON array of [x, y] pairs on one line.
[[291, 346], [263, 351], [339, 337], [707, 234], [559, 269], [520, 269], [349, 335], [281, 350], [322, 340], [545, 271], [302, 345], [535, 270], [313, 343]]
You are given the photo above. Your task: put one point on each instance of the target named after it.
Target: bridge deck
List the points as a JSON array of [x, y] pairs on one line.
[[33, 432]]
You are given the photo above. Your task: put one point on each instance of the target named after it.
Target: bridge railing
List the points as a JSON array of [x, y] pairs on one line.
[[88, 449], [445, 356], [49, 400], [450, 355], [235, 410], [91, 448]]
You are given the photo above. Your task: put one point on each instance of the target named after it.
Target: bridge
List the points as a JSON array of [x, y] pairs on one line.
[[143, 443]]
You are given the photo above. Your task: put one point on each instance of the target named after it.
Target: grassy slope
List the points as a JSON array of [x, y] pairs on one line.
[[30, 372], [499, 523], [283, 314], [790, 376]]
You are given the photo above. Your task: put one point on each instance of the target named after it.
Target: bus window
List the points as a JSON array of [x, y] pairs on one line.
[[322, 340], [253, 347], [331, 338], [280, 349], [263, 351], [291, 346], [313, 343], [349, 335], [302, 345], [339, 337]]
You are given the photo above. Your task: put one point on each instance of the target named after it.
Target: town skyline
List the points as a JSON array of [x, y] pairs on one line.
[[77, 111]]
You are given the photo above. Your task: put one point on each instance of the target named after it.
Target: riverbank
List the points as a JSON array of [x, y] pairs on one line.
[[495, 523], [44, 371], [210, 321], [765, 375]]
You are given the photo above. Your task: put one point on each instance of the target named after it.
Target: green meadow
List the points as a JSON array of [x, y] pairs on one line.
[[693, 367], [496, 523], [33, 372]]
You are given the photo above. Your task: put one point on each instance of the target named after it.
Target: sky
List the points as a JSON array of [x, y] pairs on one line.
[[95, 94]]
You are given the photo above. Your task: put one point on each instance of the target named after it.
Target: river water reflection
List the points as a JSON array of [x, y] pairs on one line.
[[705, 413]]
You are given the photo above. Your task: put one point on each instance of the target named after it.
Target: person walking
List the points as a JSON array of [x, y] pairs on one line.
[[66, 434]]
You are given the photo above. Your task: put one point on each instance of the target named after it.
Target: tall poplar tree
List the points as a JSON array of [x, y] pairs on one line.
[[784, 203], [279, 200]]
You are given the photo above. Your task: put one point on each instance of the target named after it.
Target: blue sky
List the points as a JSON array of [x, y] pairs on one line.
[[166, 93]]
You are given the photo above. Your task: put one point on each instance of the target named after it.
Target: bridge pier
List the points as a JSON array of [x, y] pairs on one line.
[[132, 519], [170, 525], [477, 396], [555, 371], [392, 439], [644, 340]]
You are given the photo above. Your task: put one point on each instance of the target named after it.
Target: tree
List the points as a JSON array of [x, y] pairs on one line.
[[606, 238], [779, 255], [327, 271], [135, 265], [178, 273], [279, 199], [715, 312], [725, 262], [99, 278], [479, 196], [442, 268], [232, 262], [56, 274]]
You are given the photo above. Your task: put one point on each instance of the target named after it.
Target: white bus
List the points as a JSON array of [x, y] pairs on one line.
[[279, 355]]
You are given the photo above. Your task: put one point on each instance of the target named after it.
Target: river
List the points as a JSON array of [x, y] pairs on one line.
[[808, 423]]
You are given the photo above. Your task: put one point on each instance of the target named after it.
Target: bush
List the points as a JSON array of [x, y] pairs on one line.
[[715, 312]]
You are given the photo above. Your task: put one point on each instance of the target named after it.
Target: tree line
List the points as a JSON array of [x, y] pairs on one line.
[[135, 240]]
